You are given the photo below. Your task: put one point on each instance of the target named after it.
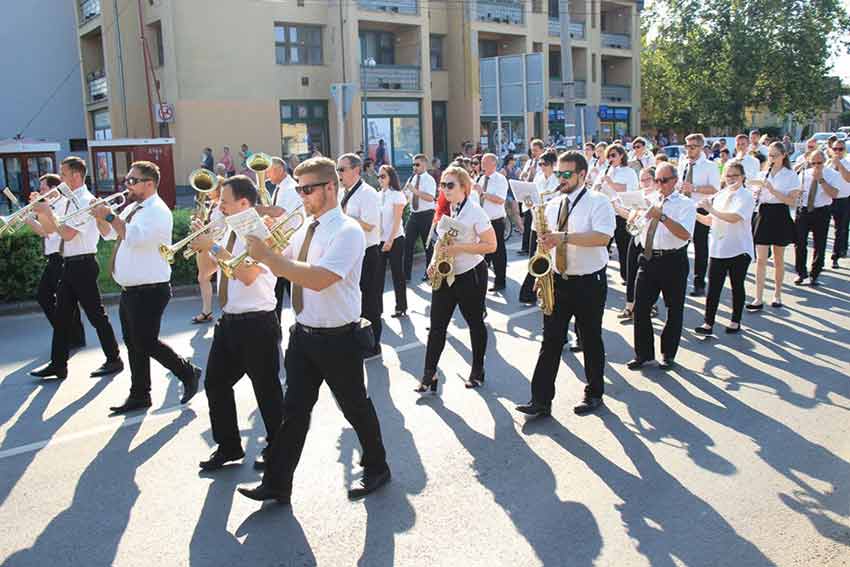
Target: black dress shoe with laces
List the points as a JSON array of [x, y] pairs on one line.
[[109, 367], [220, 458], [49, 371], [535, 409], [588, 405], [369, 483], [263, 493], [190, 384], [637, 363], [131, 404]]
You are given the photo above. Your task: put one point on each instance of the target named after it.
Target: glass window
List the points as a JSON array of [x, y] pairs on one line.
[[104, 179], [379, 46], [298, 45], [437, 61], [303, 128], [14, 175], [406, 139], [101, 125]]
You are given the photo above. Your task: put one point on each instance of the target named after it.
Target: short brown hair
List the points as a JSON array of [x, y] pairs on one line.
[[51, 180], [75, 164], [462, 177], [242, 187], [538, 143], [696, 136], [576, 158], [148, 169], [321, 166], [421, 157]]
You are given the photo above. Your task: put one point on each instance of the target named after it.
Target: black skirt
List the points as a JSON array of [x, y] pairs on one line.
[[773, 226]]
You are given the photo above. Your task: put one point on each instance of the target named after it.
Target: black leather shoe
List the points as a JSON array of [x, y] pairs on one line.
[[835, 265], [587, 406], [527, 299], [576, 346], [667, 363], [220, 458], [132, 404], [399, 313], [800, 280], [369, 484], [755, 306], [814, 282], [50, 370], [262, 459], [108, 367], [637, 363], [703, 331], [697, 292], [535, 409], [263, 493], [497, 288], [190, 384], [475, 381]]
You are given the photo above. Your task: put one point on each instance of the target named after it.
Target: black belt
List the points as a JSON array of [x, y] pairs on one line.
[[247, 316], [667, 252], [326, 331], [143, 287], [55, 257], [79, 257], [581, 276]]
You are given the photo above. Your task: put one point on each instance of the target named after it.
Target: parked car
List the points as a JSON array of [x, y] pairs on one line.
[[673, 152]]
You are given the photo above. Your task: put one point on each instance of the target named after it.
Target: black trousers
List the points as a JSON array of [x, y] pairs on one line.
[[79, 285], [816, 222], [840, 211], [527, 223], [47, 288], [280, 288], [583, 297], [395, 258], [700, 251], [667, 275], [499, 258], [622, 238], [141, 312], [417, 228], [372, 289], [467, 292], [632, 257], [736, 267], [310, 360], [244, 344], [526, 291]]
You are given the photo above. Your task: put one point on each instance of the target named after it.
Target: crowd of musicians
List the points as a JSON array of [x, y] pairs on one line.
[[333, 268]]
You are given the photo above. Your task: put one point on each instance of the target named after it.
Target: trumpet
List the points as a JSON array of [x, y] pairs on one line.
[[168, 252], [281, 234], [635, 225], [114, 202], [14, 222], [259, 163], [204, 182], [540, 265], [444, 265]]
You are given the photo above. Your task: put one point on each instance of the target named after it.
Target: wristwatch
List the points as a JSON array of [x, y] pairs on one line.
[[216, 249], [109, 218], [663, 218]]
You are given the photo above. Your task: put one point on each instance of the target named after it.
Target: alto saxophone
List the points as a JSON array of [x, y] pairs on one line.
[[444, 265], [540, 265]]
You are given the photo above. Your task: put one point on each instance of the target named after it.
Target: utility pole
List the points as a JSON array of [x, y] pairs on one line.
[[567, 83]]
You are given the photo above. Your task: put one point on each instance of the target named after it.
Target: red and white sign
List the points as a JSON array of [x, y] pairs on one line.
[[164, 112]]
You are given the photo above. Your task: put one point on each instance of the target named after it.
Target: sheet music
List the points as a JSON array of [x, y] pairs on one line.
[[248, 223], [524, 190]]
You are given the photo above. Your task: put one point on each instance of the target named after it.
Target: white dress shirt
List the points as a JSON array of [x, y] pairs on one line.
[[547, 186], [498, 187], [678, 208], [625, 175], [85, 242], [390, 198], [426, 185], [531, 170], [752, 167], [53, 240], [365, 205], [727, 240], [645, 160], [138, 261], [759, 148], [475, 222], [705, 173], [338, 245], [241, 298], [593, 212], [285, 196], [822, 199], [784, 181], [843, 186]]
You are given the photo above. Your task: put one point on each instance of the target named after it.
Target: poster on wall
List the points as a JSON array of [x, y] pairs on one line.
[[379, 136]]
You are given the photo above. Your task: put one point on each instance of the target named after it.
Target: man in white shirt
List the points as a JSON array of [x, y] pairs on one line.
[[492, 190], [582, 223], [247, 336], [802, 161], [819, 186], [144, 277], [752, 167], [531, 172], [79, 277], [755, 144], [663, 268], [327, 342], [423, 199], [699, 179], [361, 202], [284, 201], [841, 204]]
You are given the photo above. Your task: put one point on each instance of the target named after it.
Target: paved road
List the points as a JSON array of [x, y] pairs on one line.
[[738, 457]]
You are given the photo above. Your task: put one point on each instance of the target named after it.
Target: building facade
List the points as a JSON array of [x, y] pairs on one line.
[[259, 72]]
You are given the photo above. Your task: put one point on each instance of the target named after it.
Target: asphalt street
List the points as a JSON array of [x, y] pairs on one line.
[[739, 456]]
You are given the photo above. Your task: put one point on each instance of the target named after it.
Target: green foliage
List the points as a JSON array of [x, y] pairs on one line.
[[844, 118]]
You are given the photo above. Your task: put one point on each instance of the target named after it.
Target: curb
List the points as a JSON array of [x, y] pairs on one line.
[[24, 307]]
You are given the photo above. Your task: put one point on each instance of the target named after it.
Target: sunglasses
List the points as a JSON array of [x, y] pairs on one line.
[[418, 165], [131, 181], [692, 146], [564, 174], [663, 179], [308, 189], [447, 185], [837, 149], [341, 169]]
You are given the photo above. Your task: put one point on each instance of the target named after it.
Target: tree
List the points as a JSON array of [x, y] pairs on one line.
[[705, 61]]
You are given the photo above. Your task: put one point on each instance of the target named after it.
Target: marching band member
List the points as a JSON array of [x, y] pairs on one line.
[[48, 285], [647, 185], [323, 262], [618, 178], [752, 166], [468, 289], [492, 188], [818, 186], [841, 204], [730, 244], [246, 336], [802, 160], [598, 164], [79, 278], [360, 201], [531, 172], [144, 276], [757, 142], [423, 196], [205, 281], [699, 179], [547, 183], [393, 202], [582, 223], [773, 225], [663, 269], [640, 159]]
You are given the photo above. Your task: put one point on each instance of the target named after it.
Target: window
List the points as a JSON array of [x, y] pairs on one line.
[[78, 145], [156, 45], [101, 125], [537, 6], [437, 61], [593, 67], [379, 46], [488, 48], [303, 127], [554, 64], [554, 9], [297, 45]]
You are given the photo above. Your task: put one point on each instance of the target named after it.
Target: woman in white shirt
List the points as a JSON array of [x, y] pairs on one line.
[[468, 287], [773, 226], [730, 245], [393, 202], [619, 178]]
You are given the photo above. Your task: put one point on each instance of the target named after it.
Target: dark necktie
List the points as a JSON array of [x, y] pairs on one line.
[[297, 290], [563, 226], [415, 196], [813, 189], [484, 190], [222, 293]]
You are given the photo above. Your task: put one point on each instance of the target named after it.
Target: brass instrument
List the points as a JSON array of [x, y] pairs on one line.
[[259, 163], [444, 265], [204, 182], [14, 222], [168, 252], [540, 265], [114, 202], [279, 240], [635, 225]]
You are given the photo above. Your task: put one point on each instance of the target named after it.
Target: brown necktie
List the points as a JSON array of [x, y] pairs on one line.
[[561, 249], [222, 292], [119, 240], [484, 190], [62, 240], [813, 189], [689, 176], [650, 236], [297, 290], [415, 196]]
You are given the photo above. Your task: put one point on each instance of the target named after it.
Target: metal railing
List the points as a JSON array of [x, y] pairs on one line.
[[616, 40], [98, 88], [617, 93], [390, 78], [556, 88], [576, 29], [89, 9], [500, 11], [408, 7]]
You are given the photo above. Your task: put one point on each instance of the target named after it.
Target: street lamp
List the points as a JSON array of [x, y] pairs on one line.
[[369, 63]]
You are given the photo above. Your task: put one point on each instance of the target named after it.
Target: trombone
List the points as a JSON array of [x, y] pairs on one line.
[[259, 163], [279, 240], [14, 222], [114, 202]]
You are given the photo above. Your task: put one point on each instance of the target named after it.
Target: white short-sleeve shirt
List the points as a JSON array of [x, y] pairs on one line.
[[365, 205], [52, 241], [285, 196], [138, 261], [752, 167], [547, 186], [680, 209], [784, 181], [727, 240], [391, 198], [426, 185], [705, 173], [497, 186], [624, 175], [591, 212], [241, 298], [85, 242], [822, 199], [475, 222], [843, 186]]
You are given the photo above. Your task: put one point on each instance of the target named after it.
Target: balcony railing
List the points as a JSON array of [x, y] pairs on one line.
[[408, 7], [89, 9], [500, 11], [616, 40], [617, 93], [98, 89], [556, 88], [390, 78], [576, 29]]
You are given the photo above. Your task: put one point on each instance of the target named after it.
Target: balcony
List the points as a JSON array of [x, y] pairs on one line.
[[616, 93], [89, 9], [390, 78], [98, 89], [576, 29], [556, 89], [406, 7], [616, 40], [500, 11]]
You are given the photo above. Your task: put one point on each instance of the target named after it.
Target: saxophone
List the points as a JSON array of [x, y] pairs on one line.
[[444, 264], [540, 265]]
